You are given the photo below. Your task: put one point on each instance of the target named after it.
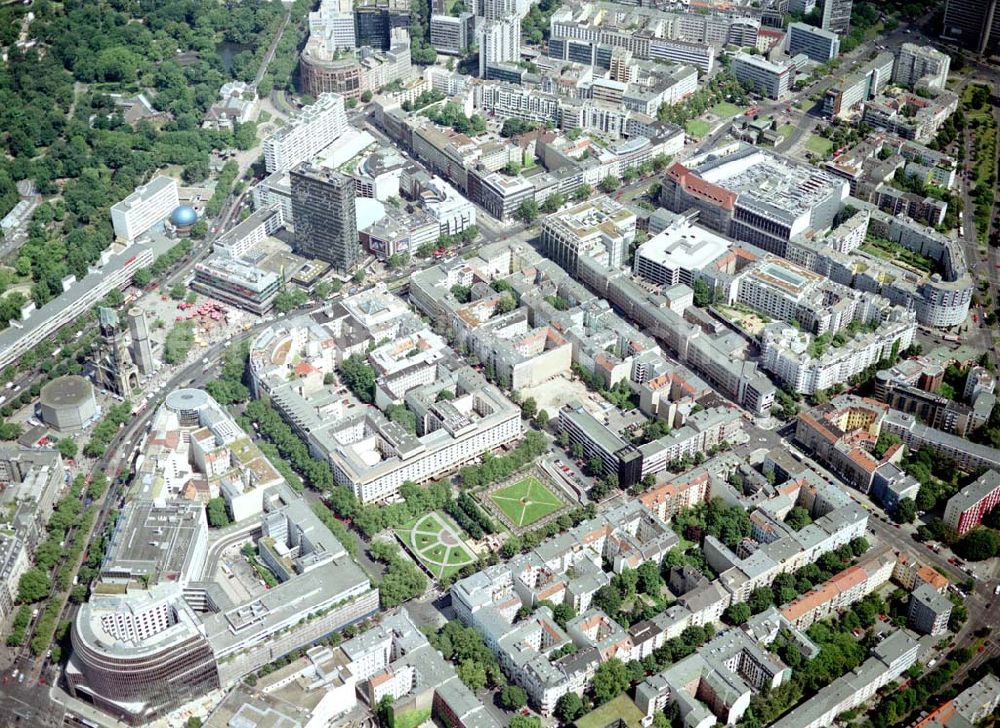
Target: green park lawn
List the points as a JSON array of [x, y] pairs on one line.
[[726, 110], [818, 145], [436, 543], [526, 501], [697, 128]]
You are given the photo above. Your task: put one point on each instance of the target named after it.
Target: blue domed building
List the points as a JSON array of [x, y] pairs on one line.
[[183, 219]]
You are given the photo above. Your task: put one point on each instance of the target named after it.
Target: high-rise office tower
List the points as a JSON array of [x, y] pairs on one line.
[[326, 225], [497, 9], [837, 16], [973, 24], [142, 350], [371, 26], [499, 42]]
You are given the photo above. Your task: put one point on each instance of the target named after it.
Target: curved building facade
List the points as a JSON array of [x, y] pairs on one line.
[[188, 404], [319, 76], [139, 655]]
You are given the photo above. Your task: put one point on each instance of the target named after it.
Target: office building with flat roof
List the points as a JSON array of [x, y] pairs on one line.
[[453, 35], [753, 195], [323, 207], [973, 24], [150, 204], [773, 80], [820, 45], [600, 227], [237, 282], [497, 193], [678, 253], [154, 542], [275, 190]]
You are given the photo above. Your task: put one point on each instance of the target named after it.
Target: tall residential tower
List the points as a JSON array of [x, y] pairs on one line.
[[837, 16]]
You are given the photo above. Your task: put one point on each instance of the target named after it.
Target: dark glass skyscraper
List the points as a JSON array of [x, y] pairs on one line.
[[973, 24], [371, 27], [326, 225]]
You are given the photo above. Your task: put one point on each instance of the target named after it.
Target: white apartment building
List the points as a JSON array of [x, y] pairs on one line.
[[786, 353], [115, 270], [773, 80], [698, 55], [275, 189], [499, 42], [921, 66], [144, 208], [250, 233], [314, 129], [334, 22]]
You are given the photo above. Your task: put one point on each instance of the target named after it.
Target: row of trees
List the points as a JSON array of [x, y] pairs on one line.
[[229, 388], [343, 534], [530, 539], [178, 342], [105, 431], [403, 580], [470, 516], [271, 426], [36, 584], [426, 250], [494, 468]]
